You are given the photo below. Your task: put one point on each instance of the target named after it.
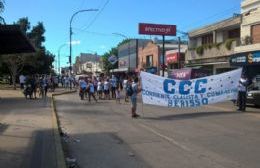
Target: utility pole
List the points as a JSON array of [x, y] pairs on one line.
[[179, 53], [163, 55], [70, 32]]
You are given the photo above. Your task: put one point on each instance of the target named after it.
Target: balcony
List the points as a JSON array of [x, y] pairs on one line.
[[212, 51]]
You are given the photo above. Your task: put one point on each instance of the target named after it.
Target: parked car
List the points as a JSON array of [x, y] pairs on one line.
[[253, 94]]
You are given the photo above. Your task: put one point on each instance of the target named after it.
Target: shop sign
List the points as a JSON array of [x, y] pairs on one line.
[[172, 58], [187, 73], [157, 29], [122, 63], [112, 59], [238, 59], [181, 74], [249, 58], [254, 58]]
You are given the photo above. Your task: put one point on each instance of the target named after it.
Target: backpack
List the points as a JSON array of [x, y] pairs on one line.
[[129, 90]]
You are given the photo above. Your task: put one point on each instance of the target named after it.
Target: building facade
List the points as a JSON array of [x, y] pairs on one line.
[[88, 63], [247, 55], [210, 47], [228, 44], [128, 55], [150, 56]]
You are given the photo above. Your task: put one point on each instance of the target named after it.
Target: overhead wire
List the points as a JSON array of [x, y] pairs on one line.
[[219, 14], [97, 15]]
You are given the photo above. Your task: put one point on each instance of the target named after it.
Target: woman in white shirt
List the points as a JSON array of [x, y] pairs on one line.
[[106, 89], [99, 89]]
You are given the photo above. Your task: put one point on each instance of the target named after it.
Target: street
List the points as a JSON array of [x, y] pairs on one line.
[[103, 134]]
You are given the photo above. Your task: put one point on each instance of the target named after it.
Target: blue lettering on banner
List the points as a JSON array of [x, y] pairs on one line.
[[197, 86], [189, 93], [166, 84], [182, 89]]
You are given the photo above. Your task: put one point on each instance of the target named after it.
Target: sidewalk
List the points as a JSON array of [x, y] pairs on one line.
[[26, 131]]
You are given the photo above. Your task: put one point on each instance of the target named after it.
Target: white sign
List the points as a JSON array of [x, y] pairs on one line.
[[162, 91], [112, 59]]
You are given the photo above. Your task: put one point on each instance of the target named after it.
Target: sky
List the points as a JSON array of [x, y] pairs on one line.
[[94, 30]]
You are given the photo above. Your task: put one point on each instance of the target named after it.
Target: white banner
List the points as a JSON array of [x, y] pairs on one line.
[[157, 90]]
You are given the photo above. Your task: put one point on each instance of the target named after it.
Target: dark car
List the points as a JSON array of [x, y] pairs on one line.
[[253, 94]]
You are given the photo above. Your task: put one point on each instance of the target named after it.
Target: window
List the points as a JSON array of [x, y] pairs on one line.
[[149, 61], [255, 32], [235, 33], [207, 39]]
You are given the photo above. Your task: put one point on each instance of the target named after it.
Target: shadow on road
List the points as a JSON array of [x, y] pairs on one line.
[[103, 150], [191, 115]]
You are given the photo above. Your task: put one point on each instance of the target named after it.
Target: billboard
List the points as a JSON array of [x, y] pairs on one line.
[[248, 58], [157, 29], [187, 73]]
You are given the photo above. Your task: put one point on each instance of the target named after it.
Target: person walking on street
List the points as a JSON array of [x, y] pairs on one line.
[[22, 81], [125, 83], [91, 91], [106, 89], [135, 91], [118, 94], [99, 89], [242, 91], [113, 83]]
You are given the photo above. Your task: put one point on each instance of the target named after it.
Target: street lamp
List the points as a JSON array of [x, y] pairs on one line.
[[71, 19], [124, 36]]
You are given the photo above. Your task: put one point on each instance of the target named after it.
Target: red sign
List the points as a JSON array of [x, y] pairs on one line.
[[157, 29], [172, 58]]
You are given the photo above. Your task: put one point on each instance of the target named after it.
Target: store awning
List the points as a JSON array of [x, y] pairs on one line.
[[13, 40], [208, 63], [119, 70]]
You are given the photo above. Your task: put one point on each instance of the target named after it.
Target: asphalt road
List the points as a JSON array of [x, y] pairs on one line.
[[103, 135]]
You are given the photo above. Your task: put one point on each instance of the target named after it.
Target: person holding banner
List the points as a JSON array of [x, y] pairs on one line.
[[135, 91], [242, 89]]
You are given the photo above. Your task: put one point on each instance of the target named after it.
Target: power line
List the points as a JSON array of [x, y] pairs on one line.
[[97, 15], [224, 12], [91, 32]]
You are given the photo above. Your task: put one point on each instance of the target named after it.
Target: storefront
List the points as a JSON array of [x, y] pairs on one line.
[[250, 61], [173, 61]]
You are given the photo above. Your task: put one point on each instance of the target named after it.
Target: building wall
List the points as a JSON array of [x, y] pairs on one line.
[[250, 16], [149, 49], [219, 37]]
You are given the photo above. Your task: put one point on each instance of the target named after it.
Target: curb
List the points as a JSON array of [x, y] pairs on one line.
[[60, 158]]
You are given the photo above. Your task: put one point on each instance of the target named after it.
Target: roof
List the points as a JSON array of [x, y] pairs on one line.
[[224, 24], [13, 40]]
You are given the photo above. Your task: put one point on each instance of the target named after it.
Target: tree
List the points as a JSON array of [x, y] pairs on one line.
[[37, 35], [15, 64], [2, 7], [24, 24], [39, 62]]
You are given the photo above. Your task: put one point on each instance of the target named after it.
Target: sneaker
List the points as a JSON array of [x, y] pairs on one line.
[[135, 116]]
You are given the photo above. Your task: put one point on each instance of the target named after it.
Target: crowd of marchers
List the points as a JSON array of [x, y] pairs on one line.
[[110, 87]]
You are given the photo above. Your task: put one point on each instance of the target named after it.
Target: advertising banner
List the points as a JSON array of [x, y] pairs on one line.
[[157, 90], [157, 29], [248, 58]]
